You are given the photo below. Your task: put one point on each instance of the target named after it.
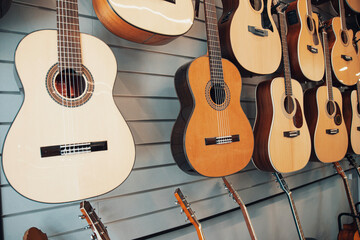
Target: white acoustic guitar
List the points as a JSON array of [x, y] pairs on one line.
[[69, 140]]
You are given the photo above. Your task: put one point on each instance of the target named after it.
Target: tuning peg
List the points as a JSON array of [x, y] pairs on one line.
[[181, 211], [87, 227], [81, 217], [230, 195], [93, 237], [187, 219], [176, 203]]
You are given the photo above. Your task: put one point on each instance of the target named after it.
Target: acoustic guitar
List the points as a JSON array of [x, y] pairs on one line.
[[323, 111], [282, 139], [349, 231], [211, 136], [99, 230], [235, 195], [34, 233], [249, 37], [305, 49], [344, 61], [351, 5], [68, 129], [146, 21], [190, 214]]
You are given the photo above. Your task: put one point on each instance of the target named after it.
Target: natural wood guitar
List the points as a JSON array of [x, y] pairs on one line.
[[249, 37], [34, 234], [99, 230], [190, 214], [146, 21], [282, 139], [344, 61], [211, 136], [234, 194], [68, 129], [349, 231], [305, 49], [323, 111], [351, 5]]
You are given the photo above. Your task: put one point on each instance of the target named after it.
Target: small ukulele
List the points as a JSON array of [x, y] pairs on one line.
[[349, 231], [237, 199], [189, 212], [98, 228]]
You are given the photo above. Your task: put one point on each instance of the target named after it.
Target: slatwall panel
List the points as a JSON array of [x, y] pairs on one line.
[[144, 203]]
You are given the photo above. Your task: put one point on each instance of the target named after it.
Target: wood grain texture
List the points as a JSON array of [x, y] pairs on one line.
[[352, 120], [198, 120], [282, 154], [145, 22], [252, 53], [326, 148], [345, 72], [305, 65]]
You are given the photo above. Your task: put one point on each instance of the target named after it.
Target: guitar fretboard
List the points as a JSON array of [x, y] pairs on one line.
[[287, 71], [69, 49], [342, 14], [309, 7], [328, 66], [213, 43]]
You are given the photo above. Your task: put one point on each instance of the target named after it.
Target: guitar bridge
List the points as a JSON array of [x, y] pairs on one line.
[[312, 49], [292, 134], [222, 140], [71, 149], [332, 131], [346, 58], [257, 31]]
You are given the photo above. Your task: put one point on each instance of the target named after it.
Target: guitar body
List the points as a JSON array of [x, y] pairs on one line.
[[143, 21], [303, 34], [327, 147], [34, 234], [273, 151], [198, 120], [351, 5], [344, 71], [352, 120], [349, 232], [248, 50], [43, 122]]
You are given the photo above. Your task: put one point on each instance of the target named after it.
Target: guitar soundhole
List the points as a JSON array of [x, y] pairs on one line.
[[69, 88], [310, 23], [344, 37], [289, 104], [330, 107], [69, 84], [217, 95], [256, 4]]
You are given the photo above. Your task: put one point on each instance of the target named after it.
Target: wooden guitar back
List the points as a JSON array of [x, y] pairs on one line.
[[304, 63], [345, 71], [199, 121]]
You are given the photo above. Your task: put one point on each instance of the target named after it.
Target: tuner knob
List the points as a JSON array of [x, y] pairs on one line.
[[181, 211], [81, 217], [187, 219], [87, 227], [93, 237], [176, 203]]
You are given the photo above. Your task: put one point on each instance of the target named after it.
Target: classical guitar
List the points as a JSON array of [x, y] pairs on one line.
[[323, 111], [305, 49], [94, 222], [282, 139], [283, 185], [344, 61], [211, 136], [143, 21], [234, 194], [34, 234], [190, 214], [4, 7], [349, 231], [249, 37], [68, 129]]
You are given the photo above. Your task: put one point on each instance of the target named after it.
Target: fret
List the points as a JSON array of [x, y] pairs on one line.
[[327, 66], [287, 71]]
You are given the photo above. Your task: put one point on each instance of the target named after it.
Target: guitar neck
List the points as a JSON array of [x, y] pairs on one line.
[[287, 71], [295, 216], [342, 14], [213, 42], [243, 208], [327, 66]]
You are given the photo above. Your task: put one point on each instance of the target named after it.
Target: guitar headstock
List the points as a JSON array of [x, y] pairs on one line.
[[232, 192], [98, 228], [283, 185], [339, 169], [279, 6]]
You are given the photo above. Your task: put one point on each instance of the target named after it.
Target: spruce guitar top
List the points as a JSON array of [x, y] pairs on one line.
[[68, 130]]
